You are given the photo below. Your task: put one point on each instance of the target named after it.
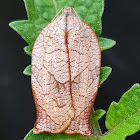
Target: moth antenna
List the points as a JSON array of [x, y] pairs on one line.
[[57, 14], [77, 16], [75, 13]]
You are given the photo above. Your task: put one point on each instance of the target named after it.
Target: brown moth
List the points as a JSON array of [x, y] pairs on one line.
[[66, 60]]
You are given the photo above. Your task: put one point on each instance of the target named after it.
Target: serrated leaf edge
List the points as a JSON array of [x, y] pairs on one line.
[[131, 116]]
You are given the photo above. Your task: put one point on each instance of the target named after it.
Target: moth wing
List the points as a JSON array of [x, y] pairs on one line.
[[50, 81], [85, 58]]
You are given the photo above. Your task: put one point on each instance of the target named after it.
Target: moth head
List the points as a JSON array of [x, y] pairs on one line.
[[68, 10]]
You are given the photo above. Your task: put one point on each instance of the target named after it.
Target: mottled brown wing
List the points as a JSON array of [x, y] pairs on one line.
[[50, 80], [85, 61]]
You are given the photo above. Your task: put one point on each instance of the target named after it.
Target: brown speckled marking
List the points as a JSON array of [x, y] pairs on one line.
[[66, 61]]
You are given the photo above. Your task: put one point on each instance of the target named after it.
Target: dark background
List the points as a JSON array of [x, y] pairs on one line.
[[121, 22]]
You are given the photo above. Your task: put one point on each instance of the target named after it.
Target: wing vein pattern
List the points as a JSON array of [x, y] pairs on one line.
[[66, 61]]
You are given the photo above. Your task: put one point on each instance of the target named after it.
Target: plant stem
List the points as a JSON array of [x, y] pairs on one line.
[[97, 131], [95, 127]]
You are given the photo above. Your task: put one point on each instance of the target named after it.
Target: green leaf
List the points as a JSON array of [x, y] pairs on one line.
[[46, 136], [106, 43], [95, 116], [26, 30], [98, 114], [28, 50], [123, 118], [105, 72], [27, 71]]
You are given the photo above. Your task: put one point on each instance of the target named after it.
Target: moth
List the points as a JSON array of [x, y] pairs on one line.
[[65, 72]]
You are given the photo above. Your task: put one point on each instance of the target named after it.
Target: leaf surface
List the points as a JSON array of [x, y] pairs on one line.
[[98, 114], [105, 72], [27, 71], [123, 118], [28, 50], [106, 43]]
